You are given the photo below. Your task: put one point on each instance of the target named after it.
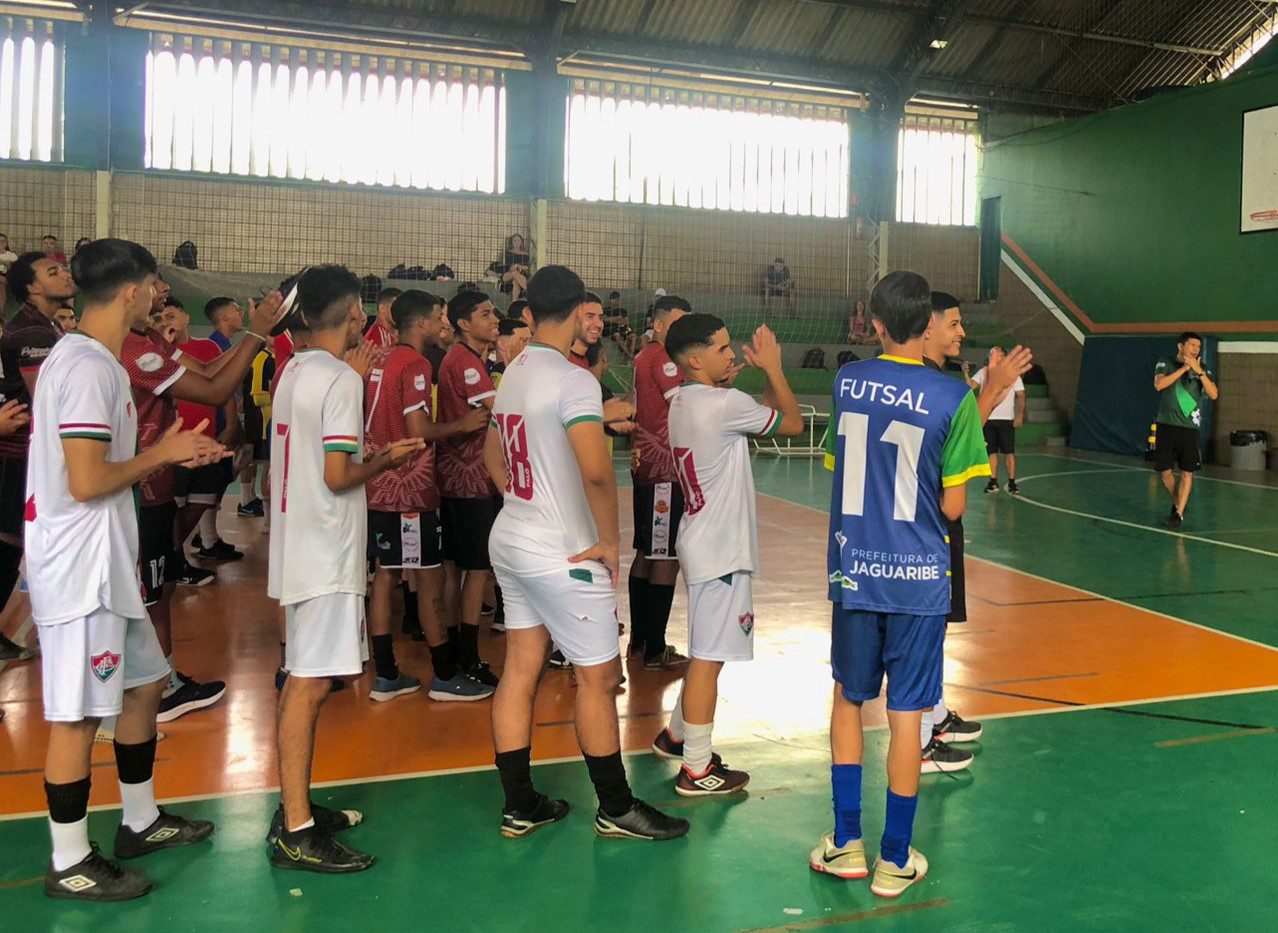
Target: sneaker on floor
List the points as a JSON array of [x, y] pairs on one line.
[[386, 689], [11, 651], [190, 575], [461, 689], [847, 862], [667, 660], [223, 551], [516, 823], [641, 821], [96, 878], [254, 509], [481, 673], [1174, 520], [940, 758], [718, 780], [329, 821], [891, 881], [664, 745], [169, 831], [316, 850], [992, 486], [558, 662], [954, 728], [1013, 488], [189, 697]]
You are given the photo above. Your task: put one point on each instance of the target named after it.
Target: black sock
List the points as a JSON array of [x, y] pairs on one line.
[[660, 599], [384, 657], [10, 559], [515, 770], [283, 655], [499, 610], [68, 803], [135, 763], [467, 645], [412, 622], [638, 587], [454, 636], [608, 775], [444, 659]]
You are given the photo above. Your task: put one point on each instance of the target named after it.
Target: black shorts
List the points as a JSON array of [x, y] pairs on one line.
[[156, 555], [958, 575], [13, 496], [404, 540], [1176, 447], [658, 511], [202, 485], [467, 524], [1000, 437], [255, 431]]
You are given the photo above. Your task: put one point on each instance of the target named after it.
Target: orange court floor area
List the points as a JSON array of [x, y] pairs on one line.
[[1030, 645]]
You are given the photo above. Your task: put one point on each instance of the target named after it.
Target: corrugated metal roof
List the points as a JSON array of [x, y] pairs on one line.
[[1032, 53]]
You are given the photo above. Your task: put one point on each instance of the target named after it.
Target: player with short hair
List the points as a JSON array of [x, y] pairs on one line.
[[101, 657], [905, 442], [1180, 381], [403, 528], [710, 426], [513, 335], [1001, 425], [555, 547], [469, 502], [657, 498], [383, 333], [942, 342], [318, 569]]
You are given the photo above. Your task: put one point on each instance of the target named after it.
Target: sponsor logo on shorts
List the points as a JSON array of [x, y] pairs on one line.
[[104, 665], [746, 621], [661, 506]]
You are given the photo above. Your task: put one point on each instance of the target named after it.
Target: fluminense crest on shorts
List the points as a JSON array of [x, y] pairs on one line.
[[746, 621], [104, 665]]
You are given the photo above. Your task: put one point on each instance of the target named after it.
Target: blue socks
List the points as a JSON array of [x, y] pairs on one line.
[[898, 827], [846, 781]]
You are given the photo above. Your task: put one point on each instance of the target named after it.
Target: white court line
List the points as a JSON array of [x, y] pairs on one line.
[[1022, 479], [1076, 589], [1198, 477], [474, 769]]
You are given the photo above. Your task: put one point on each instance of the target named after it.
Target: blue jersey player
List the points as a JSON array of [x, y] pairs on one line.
[[904, 441]]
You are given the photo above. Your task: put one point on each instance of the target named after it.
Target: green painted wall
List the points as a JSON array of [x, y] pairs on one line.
[[1134, 212]]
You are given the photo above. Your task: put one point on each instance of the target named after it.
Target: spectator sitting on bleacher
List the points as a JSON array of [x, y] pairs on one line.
[[514, 280], [53, 249], [778, 283]]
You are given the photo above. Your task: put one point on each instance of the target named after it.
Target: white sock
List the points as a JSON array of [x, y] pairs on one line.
[[175, 680], [70, 843], [676, 726], [925, 729], [931, 719], [140, 810], [697, 747], [208, 528], [307, 825]]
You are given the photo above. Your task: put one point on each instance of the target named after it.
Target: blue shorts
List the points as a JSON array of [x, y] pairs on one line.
[[865, 645]]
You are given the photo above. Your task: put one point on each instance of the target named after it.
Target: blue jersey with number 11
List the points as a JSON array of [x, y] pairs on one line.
[[899, 433]]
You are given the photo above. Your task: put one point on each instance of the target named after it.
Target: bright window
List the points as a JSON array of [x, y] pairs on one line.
[[30, 91], [1249, 47], [936, 171], [646, 145], [236, 109]]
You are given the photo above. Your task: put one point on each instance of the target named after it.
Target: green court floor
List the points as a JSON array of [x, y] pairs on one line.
[[1143, 817]]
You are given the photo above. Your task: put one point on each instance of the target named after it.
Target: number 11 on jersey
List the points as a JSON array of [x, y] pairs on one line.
[[854, 433]]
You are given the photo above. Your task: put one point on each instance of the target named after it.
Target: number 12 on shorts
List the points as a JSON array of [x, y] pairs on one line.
[[514, 448], [854, 432]]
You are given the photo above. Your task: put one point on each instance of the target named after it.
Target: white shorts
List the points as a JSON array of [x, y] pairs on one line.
[[575, 602], [326, 636], [721, 619], [87, 664]]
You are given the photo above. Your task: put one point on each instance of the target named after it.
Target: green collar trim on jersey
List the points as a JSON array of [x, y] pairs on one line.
[[900, 359]]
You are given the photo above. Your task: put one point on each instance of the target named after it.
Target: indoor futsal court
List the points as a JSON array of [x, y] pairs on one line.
[[496, 465]]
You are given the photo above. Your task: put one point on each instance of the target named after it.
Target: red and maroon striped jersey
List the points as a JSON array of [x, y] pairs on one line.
[[656, 379], [153, 367], [28, 338], [398, 384], [463, 383]]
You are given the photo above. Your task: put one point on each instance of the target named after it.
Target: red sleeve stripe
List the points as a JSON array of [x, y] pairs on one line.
[[83, 424], [340, 437]]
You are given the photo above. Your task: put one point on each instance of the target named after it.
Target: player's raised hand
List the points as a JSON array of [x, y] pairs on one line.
[[13, 415], [763, 351], [607, 554], [361, 359], [264, 314]]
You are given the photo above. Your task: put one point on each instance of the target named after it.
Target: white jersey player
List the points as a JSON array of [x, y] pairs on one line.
[[718, 541], [101, 656], [554, 548]]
